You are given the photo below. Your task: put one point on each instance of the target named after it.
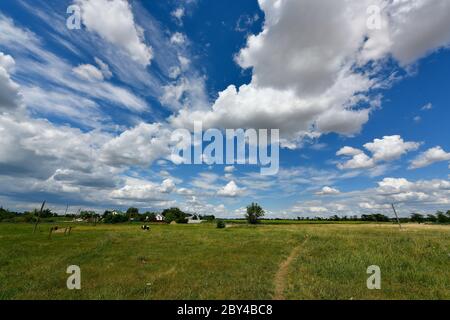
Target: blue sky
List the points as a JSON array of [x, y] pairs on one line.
[[86, 115]]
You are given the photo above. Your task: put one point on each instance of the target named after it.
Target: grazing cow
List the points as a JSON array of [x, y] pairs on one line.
[[145, 227]]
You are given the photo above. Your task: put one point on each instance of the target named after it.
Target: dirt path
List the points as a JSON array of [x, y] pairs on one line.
[[283, 271]]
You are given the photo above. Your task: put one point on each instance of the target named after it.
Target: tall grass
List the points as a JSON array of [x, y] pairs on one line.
[[240, 262]]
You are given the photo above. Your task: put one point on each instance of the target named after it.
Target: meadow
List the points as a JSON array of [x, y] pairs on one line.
[[268, 261]]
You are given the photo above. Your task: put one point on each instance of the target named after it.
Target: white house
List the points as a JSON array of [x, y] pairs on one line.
[[159, 217], [194, 220]]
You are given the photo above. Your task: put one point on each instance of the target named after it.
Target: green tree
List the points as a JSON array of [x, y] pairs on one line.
[[148, 216], [107, 213], [416, 217], [207, 217], [375, 217], [109, 217], [6, 214], [254, 212], [442, 217], [133, 213], [47, 213], [175, 214], [87, 214]]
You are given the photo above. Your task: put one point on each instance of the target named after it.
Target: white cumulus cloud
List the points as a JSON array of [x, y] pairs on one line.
[[304, 78], [388, 148], [230, 190], [328, 191], [433, 155], [88, 72], [9, 90], [113, 20]]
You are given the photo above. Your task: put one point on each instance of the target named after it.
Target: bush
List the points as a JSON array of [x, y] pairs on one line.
[[220, 224], [6, 215], [30, 217]]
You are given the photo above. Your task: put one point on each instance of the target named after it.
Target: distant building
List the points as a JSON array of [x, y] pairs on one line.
[[191, 221], [194, 220], [159, 217]]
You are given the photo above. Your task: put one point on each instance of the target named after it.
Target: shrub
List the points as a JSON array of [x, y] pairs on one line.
[[30, 216], [6, 215], [220, 224]]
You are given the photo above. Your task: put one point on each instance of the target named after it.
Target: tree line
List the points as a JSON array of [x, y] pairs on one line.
[[254, 214], [439, 217], [108, 216]]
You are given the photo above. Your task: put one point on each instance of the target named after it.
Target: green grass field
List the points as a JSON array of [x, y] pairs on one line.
[[297, 261]]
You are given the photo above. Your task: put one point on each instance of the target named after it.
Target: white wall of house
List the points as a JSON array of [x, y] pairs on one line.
[[195, 221]]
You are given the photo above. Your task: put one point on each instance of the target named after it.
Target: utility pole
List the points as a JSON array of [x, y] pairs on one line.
[[396, 216]]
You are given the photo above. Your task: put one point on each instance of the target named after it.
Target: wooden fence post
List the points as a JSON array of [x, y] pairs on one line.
[[396, 216], [38, 217]]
